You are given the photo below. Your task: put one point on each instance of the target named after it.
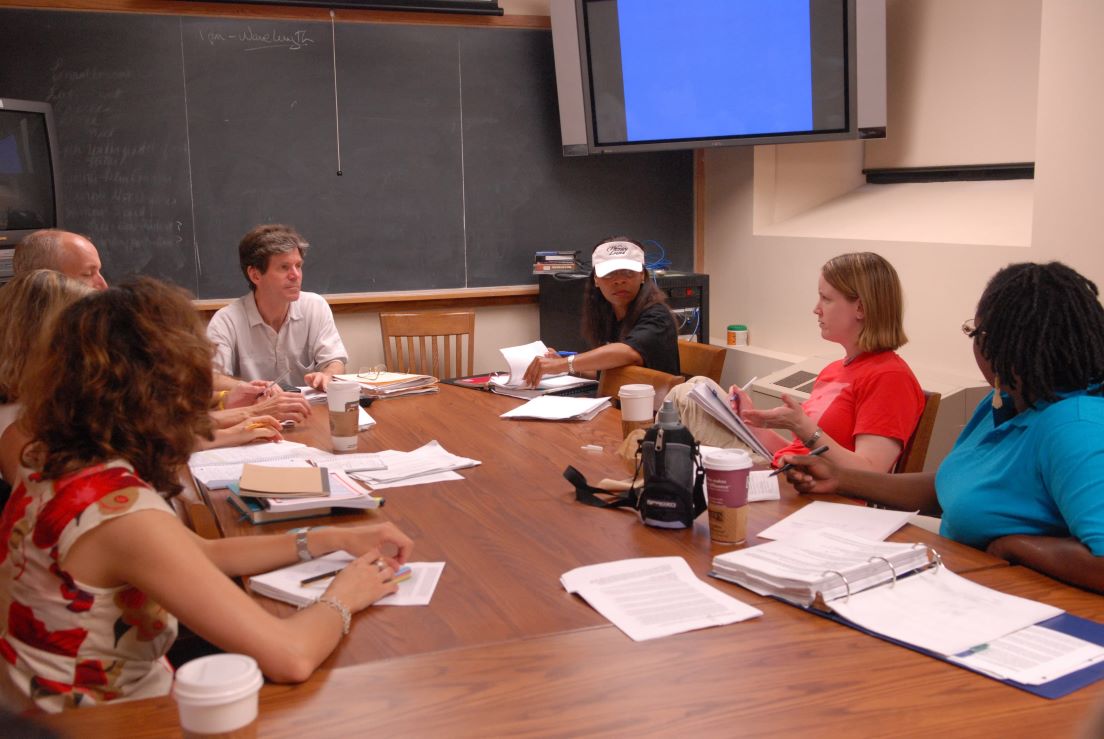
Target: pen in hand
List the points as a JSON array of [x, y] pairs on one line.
[[274, 382], [734, 398], [815, 453]]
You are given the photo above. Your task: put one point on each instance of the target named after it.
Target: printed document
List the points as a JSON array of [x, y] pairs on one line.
[[1032, 656], [425, 464], [559, 408], [869, 523], [654, 596], [285, 584]]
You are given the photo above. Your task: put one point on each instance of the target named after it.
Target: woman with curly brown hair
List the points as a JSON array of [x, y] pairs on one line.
[[98, 568]]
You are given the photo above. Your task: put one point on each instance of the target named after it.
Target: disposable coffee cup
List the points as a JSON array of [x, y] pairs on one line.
[[637, 407], [343, 399], [726, 487], [217, 694]]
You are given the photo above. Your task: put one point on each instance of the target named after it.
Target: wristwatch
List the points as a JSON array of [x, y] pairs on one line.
[[570, 364], [813, 439], [301, 543]]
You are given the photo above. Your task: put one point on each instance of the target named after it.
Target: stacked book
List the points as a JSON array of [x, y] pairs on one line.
[[391, 384], [549, 262]]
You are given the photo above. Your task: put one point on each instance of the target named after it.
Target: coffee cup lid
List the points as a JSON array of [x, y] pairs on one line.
[[217, 678], [636, 391], [727, 459]]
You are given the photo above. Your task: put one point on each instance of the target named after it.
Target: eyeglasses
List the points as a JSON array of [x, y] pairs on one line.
[[969, 327], [371, 373]]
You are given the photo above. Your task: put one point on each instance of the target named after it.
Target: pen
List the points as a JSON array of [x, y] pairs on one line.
[[275, 382], [815, 453], [401, 575], [735, 399]]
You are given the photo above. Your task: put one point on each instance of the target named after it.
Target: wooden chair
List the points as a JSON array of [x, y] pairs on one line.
[[612, 380], [916, 450], [701, 360], [422, 343]]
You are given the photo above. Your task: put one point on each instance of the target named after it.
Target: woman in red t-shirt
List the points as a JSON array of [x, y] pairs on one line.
[[863, 407]]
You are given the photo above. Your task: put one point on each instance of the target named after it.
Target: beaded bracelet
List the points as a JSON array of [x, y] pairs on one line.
[[341, 608]]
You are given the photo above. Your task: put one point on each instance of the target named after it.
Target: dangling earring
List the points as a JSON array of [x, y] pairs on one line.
[[998, 401]]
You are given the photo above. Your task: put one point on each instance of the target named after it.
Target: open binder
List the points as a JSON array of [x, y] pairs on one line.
[[901, 593]]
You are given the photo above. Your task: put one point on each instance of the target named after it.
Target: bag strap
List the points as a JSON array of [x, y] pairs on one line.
[[588, 495], [700, 503]]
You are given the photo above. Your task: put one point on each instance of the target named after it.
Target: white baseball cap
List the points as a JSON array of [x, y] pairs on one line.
[[614, 255]]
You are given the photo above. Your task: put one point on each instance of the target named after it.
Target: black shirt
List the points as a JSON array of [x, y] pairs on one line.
[[654, 336]]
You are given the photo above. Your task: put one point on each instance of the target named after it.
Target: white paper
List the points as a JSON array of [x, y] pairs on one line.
[[348, 462], [869, 523], [761, 486], [364, 421], [518, 359], [559, 408], [406, 467], [654, 596], [706, 397], [416, 480], [418, 590], [942, 612], [218, 467], [283, 584], [1032, 656], [344, 493]]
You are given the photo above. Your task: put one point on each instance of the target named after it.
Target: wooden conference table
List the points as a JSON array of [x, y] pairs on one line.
[[504, 650]]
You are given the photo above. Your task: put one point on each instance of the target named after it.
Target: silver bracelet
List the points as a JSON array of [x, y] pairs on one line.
[[340, 607], [570, 364], [813, 439]]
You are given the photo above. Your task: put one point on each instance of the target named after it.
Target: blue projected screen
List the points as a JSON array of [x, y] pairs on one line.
[[705, 69]]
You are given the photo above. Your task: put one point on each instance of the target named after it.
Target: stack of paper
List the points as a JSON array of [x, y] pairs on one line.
[[559, 408], [827, 563], [429, 463], [706, 397], [391, 384], [654, 596], [216, 468], [344, 493], [286, 584]]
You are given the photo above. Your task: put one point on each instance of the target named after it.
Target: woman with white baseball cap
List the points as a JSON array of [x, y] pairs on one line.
[[625, 318]]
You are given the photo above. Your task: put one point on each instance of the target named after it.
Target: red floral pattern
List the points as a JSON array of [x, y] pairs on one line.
[[76, 492], [79, 600], [23, 625], [7, 652], [142, 613]]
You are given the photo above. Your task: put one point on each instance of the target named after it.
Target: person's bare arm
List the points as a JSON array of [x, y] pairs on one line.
[[1064, 559]]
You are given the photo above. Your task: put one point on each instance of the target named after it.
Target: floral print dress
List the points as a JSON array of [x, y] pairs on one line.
[[64, 644]]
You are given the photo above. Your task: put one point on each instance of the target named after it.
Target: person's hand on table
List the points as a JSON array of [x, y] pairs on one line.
[[245, 394], [317, 380], [380, 537], [790, 415], [811, 474], [549, 364], [284, 407], [254, 428], [364, 581]]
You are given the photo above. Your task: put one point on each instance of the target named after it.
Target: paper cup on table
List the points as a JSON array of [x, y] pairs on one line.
[[218, 695], [637, 407], [726, 487], [343, 399]]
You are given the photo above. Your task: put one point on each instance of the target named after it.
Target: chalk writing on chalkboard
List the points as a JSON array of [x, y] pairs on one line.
[[251, 40]]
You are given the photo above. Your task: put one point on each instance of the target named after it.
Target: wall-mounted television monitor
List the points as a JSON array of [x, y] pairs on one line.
[[29, 198], [636, 75]]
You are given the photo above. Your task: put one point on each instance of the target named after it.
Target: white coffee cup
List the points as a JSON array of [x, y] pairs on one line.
[[217, 693], [637, 407], [343, 399]]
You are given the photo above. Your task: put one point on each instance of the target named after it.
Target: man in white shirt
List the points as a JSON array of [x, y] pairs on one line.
[[277, 331]]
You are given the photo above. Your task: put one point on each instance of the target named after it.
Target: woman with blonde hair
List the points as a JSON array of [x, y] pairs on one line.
[[863, 407], [28, 304], [96, 566]]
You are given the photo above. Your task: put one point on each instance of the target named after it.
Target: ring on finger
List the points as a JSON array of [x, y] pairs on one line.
[[380, 565]]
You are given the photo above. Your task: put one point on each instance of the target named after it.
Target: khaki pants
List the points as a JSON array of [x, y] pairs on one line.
[[706, 429]]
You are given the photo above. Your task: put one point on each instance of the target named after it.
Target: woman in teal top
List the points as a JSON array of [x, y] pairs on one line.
[[1025, 480]]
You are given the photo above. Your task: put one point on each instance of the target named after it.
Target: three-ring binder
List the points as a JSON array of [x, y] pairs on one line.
[[935, 561]]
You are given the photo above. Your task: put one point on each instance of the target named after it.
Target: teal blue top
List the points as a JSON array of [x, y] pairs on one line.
[[1039, 472]]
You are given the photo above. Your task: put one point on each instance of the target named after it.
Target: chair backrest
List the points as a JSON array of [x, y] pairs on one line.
[[701, 360], [612, 380], [916, 450], [422, 343]]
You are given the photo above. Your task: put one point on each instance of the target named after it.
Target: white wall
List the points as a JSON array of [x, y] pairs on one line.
[[768, 281]]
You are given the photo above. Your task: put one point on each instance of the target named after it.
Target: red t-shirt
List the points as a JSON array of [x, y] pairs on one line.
[[875, 394]]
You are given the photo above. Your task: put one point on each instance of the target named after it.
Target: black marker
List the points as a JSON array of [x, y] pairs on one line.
[[788, 466]]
